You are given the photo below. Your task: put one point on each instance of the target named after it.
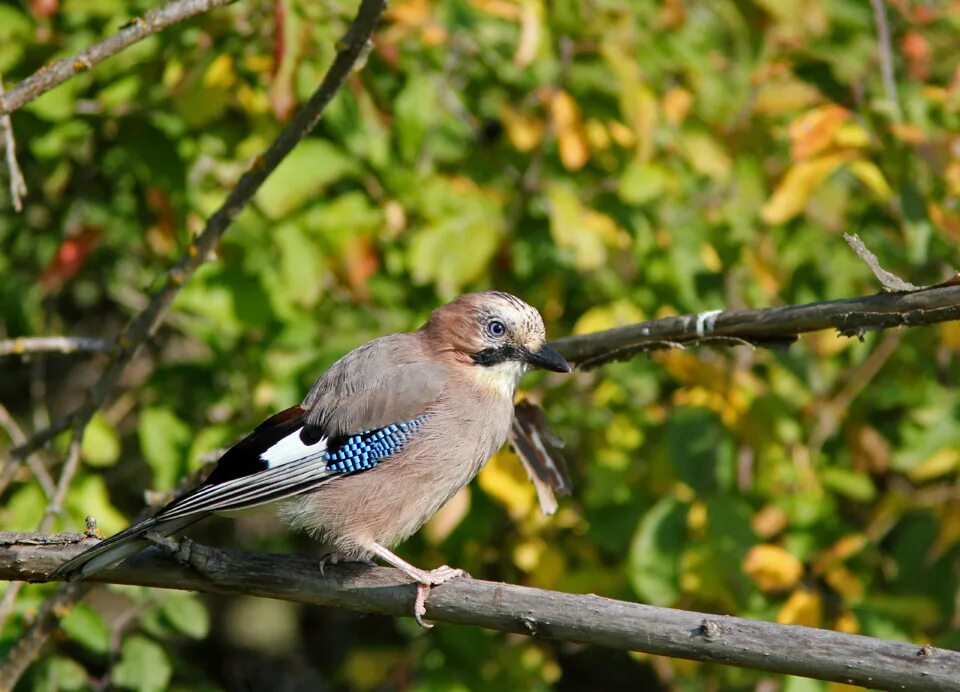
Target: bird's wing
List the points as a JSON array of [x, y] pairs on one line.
[[360, 412], [387, 380]]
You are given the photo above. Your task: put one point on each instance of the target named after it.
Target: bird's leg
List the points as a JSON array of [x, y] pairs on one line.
[[425, 579]]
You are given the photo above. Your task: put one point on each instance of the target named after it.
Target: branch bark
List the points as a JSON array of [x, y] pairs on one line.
[[590, 619], [771, 327], [56, 73]]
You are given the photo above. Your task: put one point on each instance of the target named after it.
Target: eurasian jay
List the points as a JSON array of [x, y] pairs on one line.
[[385, 437]]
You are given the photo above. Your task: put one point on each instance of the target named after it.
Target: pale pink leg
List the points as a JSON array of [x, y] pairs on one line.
[[425, 579]]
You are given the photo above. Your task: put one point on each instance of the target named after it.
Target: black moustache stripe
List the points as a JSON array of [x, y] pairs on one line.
[[494, 356]]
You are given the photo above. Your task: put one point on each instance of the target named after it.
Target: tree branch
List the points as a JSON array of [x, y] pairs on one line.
[[50, 76], [18, 186], [885, 52], [28, 345], [771, 327], [589, 619]]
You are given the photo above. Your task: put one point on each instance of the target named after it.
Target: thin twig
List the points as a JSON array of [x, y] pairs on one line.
[[790, 649], [49, 76], [18, 437], [18, 186], [350, 53], [886, 57], [27, 345]]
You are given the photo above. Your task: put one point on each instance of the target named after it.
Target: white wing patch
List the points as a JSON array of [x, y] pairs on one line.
[[292, 448]]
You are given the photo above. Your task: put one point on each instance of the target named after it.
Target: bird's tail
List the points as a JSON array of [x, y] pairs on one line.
[[117, 547]]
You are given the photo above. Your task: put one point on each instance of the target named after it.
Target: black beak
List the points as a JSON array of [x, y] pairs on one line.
[[548, 359]]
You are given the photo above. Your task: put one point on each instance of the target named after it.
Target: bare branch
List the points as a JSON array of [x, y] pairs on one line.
[[28, 345], [770, 327], [50, 76], [18, 437], [889, 281], [18, 186], [789, 649], [885, 52]]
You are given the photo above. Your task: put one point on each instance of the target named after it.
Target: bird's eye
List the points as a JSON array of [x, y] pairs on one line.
[[496, 328]]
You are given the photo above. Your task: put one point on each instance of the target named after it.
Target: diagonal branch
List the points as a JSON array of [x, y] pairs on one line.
[[349, 54], [56, 73], [589, 619]]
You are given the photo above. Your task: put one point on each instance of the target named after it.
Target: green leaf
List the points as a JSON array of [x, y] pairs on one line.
[[101, 445], [164, 440], [851, 484], [187, 614], [302, 176], [63, 673], [655, 550], [143, 665], [85, 626]]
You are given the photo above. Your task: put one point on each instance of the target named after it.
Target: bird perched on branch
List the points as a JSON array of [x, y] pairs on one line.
[[385, 437]]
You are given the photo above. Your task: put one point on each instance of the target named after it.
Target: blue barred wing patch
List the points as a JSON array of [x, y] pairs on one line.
[[349, 454]]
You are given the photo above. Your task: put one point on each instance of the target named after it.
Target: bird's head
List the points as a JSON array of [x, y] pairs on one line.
[[497, 333]]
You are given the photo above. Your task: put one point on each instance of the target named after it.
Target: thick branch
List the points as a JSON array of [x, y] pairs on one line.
[[56, 73], [765, 327], [27, 345], [589, 619]]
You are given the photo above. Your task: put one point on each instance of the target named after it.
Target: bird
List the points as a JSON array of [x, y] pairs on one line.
[[383, 439]]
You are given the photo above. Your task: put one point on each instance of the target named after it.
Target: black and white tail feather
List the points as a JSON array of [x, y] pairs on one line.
[[277, 460]]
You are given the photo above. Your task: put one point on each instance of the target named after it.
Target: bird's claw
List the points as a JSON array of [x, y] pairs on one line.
[[434, 577], [336, 558]]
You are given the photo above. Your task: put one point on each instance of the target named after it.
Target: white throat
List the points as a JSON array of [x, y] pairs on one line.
[[501, 379]]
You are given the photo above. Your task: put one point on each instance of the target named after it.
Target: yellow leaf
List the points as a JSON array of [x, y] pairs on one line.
[[940, 463], [597, 134], [950, 335], [705, 155], [710, 258], [772, 568], [847, 622], [948, 532], [504, 480], [852, 136], [845, 583], [524, 131], [622, 135], [531, 33], [769, 521], [676, 105], [600, 317], [801, 180], [220, 73], [585, 232], [870, 175], [570, 133], [813, 131], [784, 96], [802, 608]]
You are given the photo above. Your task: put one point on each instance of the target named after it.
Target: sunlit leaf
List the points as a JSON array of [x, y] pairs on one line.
[[772, 568], [143, 665]]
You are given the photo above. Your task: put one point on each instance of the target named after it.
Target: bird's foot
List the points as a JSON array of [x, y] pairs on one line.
[[335, 558], [425, 580]]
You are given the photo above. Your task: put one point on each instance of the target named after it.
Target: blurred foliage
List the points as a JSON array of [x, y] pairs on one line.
[[607, 160]]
